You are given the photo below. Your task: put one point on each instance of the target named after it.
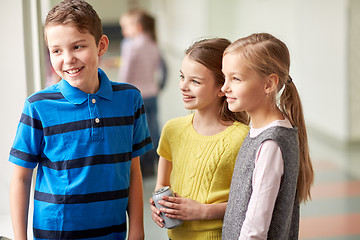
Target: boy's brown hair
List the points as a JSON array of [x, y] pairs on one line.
[[79, 13]]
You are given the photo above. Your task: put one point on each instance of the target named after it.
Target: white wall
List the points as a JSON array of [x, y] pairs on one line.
[[320, 63], [354, 70], [316, 33], [13, 86], [13, 93]]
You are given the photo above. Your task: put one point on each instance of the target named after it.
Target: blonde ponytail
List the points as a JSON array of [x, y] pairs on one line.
[[291, 107]]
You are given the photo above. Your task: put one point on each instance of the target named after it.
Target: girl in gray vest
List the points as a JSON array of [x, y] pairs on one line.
[[273, 171]]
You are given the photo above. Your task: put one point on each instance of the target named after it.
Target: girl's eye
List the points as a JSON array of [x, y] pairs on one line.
[[55, 51], [181, 76], [195, 82], [236, 79]]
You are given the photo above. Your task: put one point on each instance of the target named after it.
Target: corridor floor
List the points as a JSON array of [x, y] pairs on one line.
[[334, 212]]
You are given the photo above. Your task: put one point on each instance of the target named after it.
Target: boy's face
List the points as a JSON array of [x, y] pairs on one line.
[[75, 55]]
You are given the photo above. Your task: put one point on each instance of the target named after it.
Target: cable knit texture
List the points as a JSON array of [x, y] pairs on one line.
[[202, 169], [285, 219]]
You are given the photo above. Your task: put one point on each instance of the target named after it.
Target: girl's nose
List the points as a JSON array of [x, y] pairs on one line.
[[183, 85], [225, 87]]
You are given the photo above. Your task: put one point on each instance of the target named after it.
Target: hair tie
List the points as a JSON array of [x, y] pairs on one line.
[[289, 79]]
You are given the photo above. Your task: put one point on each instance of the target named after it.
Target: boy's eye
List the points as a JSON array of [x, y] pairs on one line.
[[181, 76], [55, 51], [236, 79], [77, 47]]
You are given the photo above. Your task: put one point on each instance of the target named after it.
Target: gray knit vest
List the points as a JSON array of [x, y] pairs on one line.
[[285, 219]]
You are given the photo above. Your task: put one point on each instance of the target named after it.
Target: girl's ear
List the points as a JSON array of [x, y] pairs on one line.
[[271, 84], [221, 93], [103, 45]]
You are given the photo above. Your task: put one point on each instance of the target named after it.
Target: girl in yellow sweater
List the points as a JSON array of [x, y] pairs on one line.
[[198, 152]]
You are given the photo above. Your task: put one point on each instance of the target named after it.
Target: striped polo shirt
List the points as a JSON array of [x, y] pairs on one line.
[[83, 145]]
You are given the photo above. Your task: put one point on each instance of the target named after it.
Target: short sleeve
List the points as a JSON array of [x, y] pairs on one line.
[[164, 149], [26, 149], [141, 138]]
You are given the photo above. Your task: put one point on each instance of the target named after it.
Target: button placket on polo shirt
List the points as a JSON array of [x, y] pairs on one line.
[[97, 130]]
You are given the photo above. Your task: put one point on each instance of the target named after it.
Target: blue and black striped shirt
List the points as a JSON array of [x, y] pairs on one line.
[[83, 145]]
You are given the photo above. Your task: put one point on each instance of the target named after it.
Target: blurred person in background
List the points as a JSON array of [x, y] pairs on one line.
[[141, 65]]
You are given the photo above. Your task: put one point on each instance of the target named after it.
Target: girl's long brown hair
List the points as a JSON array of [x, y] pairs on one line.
[[267, 55], [209, 52]]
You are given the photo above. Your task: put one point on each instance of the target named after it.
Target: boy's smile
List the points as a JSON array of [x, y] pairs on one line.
[[75, 56], [74, 71]]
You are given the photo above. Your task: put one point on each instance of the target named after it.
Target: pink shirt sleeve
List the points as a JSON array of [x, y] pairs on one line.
[[269, 169]]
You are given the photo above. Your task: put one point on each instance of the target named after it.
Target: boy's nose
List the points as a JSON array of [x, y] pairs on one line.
[[69, 58]]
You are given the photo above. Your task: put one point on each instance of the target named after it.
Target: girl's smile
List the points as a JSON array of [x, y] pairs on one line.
[[243, 88], [187, 98], [198, 86], [230, 99]]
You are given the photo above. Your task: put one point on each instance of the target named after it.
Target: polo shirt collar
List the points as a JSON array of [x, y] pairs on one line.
[[76, 96], [105, 90]]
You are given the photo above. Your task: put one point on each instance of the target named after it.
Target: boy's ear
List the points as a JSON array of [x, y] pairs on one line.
[[272, 82], [103, 45]]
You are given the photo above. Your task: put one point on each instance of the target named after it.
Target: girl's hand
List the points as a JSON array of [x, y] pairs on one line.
[[156, 214], [182, 208]]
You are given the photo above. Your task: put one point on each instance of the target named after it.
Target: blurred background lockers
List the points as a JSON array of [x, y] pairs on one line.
[[323, 38]]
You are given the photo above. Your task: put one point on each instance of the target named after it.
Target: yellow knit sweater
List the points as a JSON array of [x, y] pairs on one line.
[[202, 168]]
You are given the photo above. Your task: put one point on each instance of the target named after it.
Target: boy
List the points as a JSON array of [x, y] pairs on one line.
[[85, 134]]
